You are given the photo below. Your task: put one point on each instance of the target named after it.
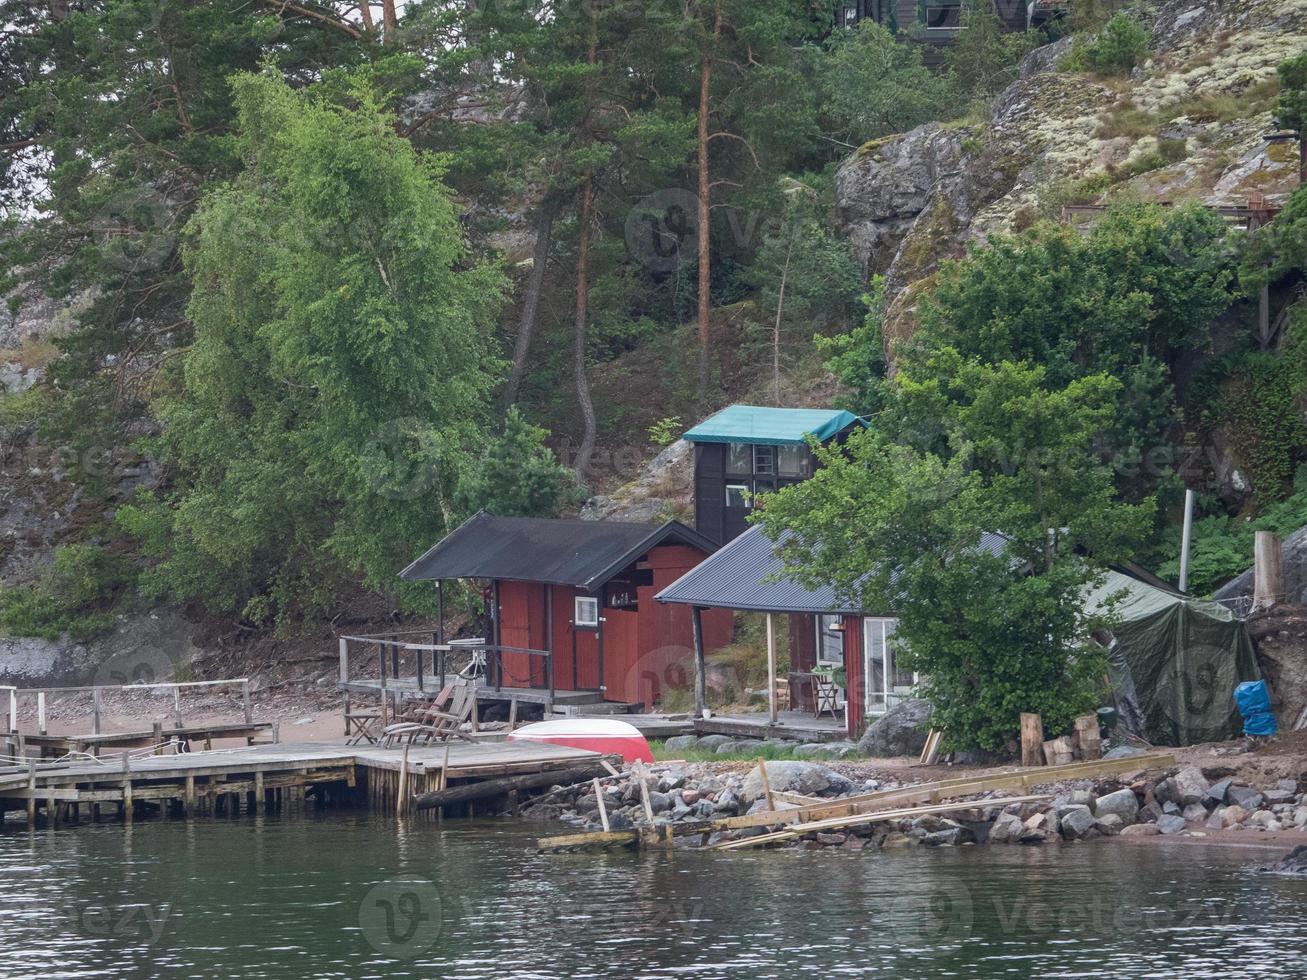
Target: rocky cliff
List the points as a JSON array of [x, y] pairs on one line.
[[1189, 124]]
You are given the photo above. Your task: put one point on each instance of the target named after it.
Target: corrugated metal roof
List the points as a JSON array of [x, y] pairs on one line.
[[737, 577], [585, 554], [740, 575], [772, 426]]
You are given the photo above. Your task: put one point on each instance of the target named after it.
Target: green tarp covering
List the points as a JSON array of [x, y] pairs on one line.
[[1175, 663]]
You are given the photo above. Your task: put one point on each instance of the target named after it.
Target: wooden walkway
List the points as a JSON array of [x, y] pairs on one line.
[[794, 726], [264, 777]]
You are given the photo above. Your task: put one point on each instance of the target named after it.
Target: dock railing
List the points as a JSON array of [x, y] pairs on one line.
[[404, 665]]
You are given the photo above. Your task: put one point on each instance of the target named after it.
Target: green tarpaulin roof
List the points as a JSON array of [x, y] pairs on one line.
[[772, 426]]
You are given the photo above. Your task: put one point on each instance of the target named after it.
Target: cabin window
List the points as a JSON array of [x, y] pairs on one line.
[[764, 460], [739, 458], [792, 461], [830, 640], [737, 495], [587, 611], [941, 15], [759, 488]]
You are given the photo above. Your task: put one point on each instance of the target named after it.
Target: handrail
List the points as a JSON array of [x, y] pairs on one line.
[[123, 687]]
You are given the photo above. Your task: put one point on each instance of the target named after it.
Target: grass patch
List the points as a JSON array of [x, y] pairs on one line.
[[1129, 121]]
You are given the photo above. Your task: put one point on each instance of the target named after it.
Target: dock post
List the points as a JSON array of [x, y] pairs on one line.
[[31, 793], [344, 660], [127, 786], [13, 711], [156, 733], [189, 801], [700, 669], [40, 712], [95, 712], [260, 799], [245, 698], [177, 706]]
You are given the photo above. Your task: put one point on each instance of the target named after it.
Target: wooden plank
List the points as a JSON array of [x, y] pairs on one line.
[[612, 838], [603, 807]]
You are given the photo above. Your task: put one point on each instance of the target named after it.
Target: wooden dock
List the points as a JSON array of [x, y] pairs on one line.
[[793, 726], [264, 777]]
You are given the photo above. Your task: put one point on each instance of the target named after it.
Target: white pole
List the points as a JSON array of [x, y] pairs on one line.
[[13, 710], [40, 712], [771, 670], [1185, 538]]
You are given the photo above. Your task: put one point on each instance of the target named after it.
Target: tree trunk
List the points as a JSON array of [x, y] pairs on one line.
[[586, 449], [531, 299], [389, 21], [705, 208], [365, 12], [776, 331], [499, 787]]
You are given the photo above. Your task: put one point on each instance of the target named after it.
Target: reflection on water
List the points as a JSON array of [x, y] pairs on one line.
[[352, 895]]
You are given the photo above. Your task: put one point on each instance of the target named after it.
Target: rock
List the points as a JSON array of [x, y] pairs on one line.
[[1169, 823], [1082, 797], [1191, 785], [732, 747], [814, 750], [900, 731], [1216, 792], [728, 803], [670, 780], [1077, 821], [1171, 809], [690, 796], [1123, 752], [659, 802], [1123, 803], [1274, 796], [1148, 813], [1293, 863], [1230, 816], [1140, 830], [1109, 825], [709, 743], [1006, 827], [678, 742], [1195, 813], [806, 778], [1289, 785], [1300, 817], [1264, 819], [1245, 796], [831, 840], [854, 844], [1166, 792], [896, 839], [947, 837]]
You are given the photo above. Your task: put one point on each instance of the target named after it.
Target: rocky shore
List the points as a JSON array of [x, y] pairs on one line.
[[1189, 801]]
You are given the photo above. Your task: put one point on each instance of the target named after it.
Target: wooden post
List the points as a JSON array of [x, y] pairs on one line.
[[644, 796], [512, 714], [40, 712], [260, 796], [766, 783], [127, 786], [95, 712], [1091, 744], [385, 698], [177, 706], [771, 675], [603, 809], [700, 668], [1268, 570], [1032, 739], [245, 699], [156, 735], [1058, 751], [31, 793], [402, 786], [343, 646], [190, 795]]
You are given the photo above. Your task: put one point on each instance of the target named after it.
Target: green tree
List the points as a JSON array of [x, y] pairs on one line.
[[517, 475], [996, 625], [874, 84], [1120, 45], [1291, 110], [335, 390], [984, 55]]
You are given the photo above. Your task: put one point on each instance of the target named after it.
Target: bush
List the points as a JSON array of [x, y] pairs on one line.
[[1122, 44], [74, 596]]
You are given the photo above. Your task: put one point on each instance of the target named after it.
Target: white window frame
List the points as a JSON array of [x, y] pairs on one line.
[[877, 703], [954, 28], [821, 638], [746, 489], [590, 618]]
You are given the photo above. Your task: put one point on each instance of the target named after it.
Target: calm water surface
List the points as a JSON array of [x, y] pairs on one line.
[[358, 896]]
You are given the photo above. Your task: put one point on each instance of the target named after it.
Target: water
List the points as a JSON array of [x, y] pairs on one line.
[[353, 895]]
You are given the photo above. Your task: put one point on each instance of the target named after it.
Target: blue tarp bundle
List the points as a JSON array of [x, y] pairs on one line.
[[1254, 701]]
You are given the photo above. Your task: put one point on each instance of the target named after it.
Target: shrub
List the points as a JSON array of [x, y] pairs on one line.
[[1122, 44], [74, 596]]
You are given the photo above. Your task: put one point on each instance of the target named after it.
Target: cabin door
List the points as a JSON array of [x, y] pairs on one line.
[[886, 682]]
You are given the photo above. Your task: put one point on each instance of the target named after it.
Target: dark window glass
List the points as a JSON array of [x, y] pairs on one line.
[[942, 14], [764, 460], [792, 461], [739, 458], [737, 495]]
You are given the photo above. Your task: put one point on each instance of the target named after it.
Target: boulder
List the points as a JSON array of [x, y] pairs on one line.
[[1123, 803], [1274, 796], [900, 731], [806, 778], [679, 742], [1293, 863], [709, 743], [1109, 825], [1005, 829], [1191, 785], [1077, 821], [947, 836], [1195, 813], [1264, 819], [1140, 830], [670, 780], [1123, 752], [1231, 816], [1245, 796], [1215, 794], [732, 747], [1169, 823]]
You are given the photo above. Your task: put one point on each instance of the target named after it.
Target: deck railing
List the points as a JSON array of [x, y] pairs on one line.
[[41, 694]]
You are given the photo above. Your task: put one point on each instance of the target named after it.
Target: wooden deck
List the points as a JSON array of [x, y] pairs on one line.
[[796, 726], [263, 777]]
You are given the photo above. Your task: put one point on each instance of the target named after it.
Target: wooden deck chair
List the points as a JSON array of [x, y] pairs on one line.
[[435, 725]]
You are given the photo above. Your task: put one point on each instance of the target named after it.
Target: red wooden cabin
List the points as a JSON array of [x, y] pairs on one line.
[[572, 603]]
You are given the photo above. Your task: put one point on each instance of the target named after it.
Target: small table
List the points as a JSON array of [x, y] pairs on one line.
[[360, 726]]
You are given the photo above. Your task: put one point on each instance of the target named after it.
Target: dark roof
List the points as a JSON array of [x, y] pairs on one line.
[[738, 577], [747, 574], [585, 554]]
